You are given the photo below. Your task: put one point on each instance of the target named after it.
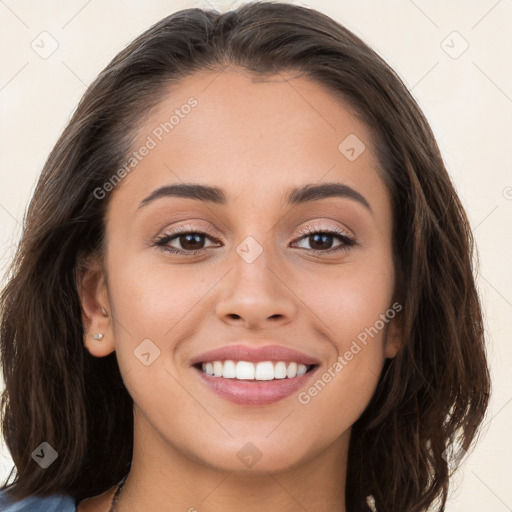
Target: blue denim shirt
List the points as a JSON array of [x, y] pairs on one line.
[[54, 503]]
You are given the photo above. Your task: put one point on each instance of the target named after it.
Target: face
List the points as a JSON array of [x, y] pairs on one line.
[[256, 277]]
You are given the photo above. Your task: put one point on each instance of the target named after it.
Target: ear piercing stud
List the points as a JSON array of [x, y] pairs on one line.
[[99, 336]]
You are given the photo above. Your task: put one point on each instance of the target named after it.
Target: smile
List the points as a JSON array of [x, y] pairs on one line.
[[246, 370], [252, 386]]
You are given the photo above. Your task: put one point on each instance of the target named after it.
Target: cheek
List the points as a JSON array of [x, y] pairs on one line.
[[342, 390], [351, 301], [151, 298], [152, 303], [355, 309]]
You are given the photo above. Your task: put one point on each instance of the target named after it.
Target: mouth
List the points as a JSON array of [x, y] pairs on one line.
[[254, 389], [247, 371]]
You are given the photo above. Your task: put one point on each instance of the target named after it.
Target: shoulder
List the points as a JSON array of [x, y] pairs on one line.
[[53, 503]]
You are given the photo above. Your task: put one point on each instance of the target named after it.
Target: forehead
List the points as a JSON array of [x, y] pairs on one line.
[[244, 134]]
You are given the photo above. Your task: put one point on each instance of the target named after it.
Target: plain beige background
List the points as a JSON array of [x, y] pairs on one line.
[[456, 58]]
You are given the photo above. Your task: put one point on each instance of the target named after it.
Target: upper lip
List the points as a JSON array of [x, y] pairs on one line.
[[254, 354]]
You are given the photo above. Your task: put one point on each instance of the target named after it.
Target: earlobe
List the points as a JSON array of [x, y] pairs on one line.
[[393, 342], [92, 291]]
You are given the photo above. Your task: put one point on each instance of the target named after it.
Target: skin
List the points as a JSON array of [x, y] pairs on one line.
[[255, 140]]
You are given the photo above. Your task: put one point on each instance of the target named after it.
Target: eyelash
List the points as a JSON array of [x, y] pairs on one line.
[[164, 239]]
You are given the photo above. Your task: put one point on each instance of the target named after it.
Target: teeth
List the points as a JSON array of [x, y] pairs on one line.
[[245, 370]]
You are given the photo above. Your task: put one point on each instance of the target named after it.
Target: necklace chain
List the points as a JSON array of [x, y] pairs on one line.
[[113, 505]]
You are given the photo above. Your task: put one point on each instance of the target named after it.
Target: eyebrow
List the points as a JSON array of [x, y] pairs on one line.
[[298, 195]]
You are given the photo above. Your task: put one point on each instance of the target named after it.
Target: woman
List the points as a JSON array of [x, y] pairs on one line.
[[245, 278]]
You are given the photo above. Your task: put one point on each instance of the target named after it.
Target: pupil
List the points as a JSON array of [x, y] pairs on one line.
[[323, 238], [190, 239]]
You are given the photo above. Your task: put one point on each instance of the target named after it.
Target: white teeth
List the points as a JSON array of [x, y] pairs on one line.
[[245, 370], [229, 370], [280, 370], [217, 368], [301, 370], [264, 371], [292, 370]]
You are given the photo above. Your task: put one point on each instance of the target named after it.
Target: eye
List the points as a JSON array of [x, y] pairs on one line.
[[191, 243], [319, 238]]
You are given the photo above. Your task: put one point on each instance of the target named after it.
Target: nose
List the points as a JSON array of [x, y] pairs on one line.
[[256, 295]]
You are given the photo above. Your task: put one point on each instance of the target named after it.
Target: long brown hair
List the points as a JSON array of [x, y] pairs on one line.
[[432, 395]]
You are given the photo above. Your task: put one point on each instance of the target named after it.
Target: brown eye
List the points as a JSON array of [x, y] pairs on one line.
[[322, 240], [189, 242]]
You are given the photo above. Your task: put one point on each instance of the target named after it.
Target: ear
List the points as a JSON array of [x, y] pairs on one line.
[[394, 337], [96, 311]]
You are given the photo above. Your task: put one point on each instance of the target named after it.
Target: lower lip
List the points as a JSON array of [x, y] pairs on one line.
[[255, 392]]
